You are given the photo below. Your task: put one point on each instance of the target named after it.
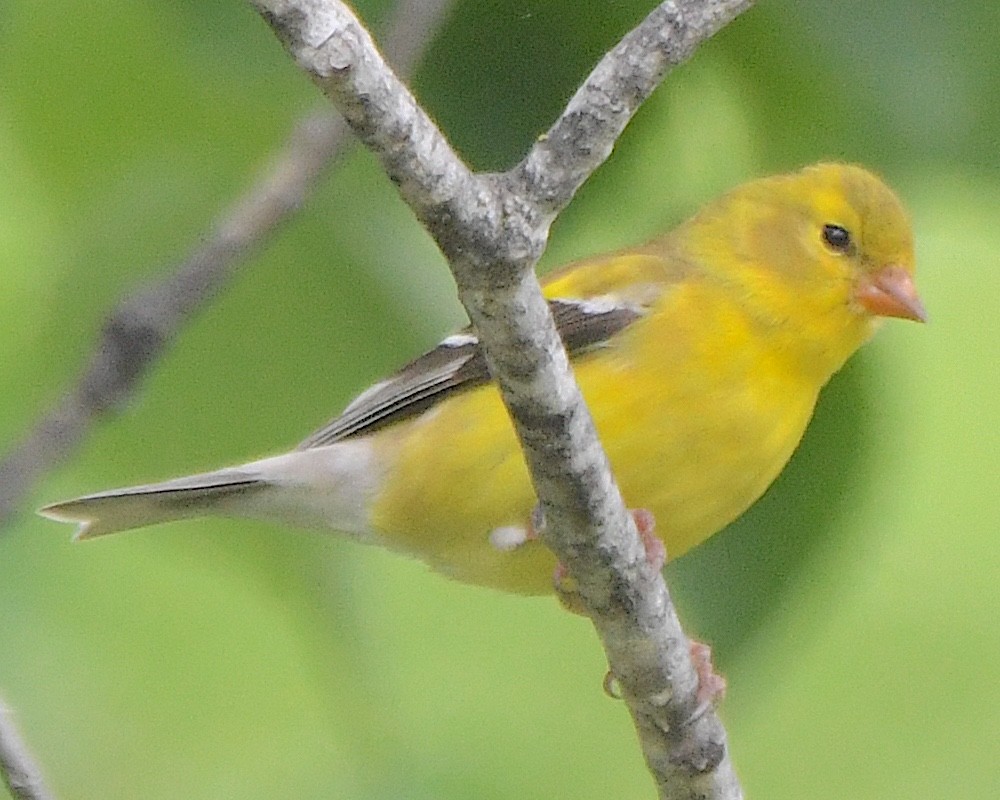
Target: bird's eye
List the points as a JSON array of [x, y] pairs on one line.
[[837, 238]]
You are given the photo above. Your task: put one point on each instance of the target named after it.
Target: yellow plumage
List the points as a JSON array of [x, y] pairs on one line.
[[720, 336]]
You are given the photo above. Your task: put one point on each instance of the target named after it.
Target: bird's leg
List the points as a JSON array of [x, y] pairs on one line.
[[711, 685]]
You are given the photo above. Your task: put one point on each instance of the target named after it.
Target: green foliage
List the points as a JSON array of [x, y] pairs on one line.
[[852, 610]]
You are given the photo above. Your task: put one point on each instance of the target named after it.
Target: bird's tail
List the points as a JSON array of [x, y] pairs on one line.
[[138, 506], [320, 488]]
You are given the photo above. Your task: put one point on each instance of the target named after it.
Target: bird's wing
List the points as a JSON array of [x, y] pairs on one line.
[[458, 364]]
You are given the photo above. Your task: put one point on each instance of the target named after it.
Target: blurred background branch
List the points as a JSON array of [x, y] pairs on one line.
[[18, 769], [150, 316], [144, 322]]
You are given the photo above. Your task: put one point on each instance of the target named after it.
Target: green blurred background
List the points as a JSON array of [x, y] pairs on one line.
[[853, 610]]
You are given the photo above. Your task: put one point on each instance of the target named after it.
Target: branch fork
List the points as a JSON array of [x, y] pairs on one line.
[[492, 228]]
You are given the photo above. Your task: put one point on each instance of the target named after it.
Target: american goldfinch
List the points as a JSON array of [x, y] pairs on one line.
[[701, 355]]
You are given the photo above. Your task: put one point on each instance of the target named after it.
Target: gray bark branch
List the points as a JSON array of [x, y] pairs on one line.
[[492, 228]]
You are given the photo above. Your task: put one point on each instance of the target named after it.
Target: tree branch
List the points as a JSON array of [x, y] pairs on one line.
[[18, 769], [143, 323], [492, 228]]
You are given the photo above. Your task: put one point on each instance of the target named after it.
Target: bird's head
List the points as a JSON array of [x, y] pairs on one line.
[[860, 236], [820, 254]]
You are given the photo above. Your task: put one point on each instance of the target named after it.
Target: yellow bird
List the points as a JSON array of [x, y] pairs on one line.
[[701, 355]]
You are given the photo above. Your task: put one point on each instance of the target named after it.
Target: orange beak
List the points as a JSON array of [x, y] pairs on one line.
[[890, 292]]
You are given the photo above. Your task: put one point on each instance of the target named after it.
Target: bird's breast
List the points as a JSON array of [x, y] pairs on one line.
[[697, 414]]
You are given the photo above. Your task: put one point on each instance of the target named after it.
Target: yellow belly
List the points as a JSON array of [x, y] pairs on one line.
[[696, 422]]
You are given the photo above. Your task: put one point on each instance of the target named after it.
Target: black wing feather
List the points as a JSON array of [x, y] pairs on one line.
[[458, 364]]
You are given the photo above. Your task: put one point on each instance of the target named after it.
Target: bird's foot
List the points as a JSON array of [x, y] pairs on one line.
[[711, 685], [656, 556]]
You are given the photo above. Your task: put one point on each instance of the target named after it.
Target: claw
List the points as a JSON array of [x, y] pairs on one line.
[[711, 685], [656, 551], [566, 590]]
